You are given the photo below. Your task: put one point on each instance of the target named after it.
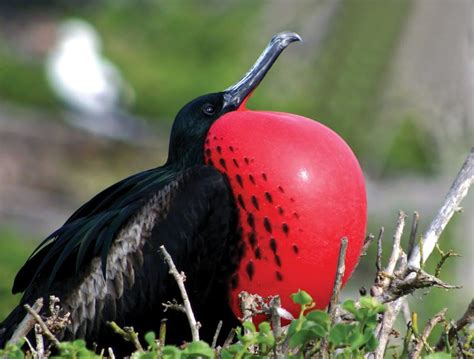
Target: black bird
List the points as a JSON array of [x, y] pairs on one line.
[[104, 262]]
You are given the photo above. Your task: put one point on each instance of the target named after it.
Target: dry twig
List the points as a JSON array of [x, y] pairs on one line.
[[467, 318], [413, 232], [275, 319], [180, 278], [423, 340], [173, 305], [216, 334], [42, 324], [456, 194], [420, 254], [378, 262], [341, 268], [111, 353], [27, 323], [367, 242], [332, 308], [39, 342]]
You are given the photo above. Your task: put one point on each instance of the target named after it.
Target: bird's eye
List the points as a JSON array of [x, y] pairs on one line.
[[208, 109]]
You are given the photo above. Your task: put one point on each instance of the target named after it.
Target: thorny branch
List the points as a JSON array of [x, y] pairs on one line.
[[180, 278]]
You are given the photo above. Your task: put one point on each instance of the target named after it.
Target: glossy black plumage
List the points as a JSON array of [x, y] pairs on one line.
[[191, 213], [90, 262], [104, 263]]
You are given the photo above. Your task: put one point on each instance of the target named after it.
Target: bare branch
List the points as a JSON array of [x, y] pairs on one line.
[[111, 353], [216, 334], [27, 323], [42, 324], [127, 333], [367, 242], [39, 341], [378, 263], [275, 305], [174, 305], [456, 194], [467, 318], [413, 232], [400, 288], [341, 268], [230, 337], [396, 249], [179, 277], [385, 328], [423, 340]]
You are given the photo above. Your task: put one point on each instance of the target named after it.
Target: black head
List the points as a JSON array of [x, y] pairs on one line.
[[194, 120], [191, 126]]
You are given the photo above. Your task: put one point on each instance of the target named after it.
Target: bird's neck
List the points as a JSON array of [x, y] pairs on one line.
[[181, 159]]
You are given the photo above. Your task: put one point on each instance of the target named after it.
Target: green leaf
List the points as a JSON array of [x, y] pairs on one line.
[[318, 330], [301, 338], [171, 352], [371, 344], [198, 348], [145, 355], [233, 349], [339, 334], [301, 298], [266, 338], [361, 314], [356, 339], [249, 326], [349, 305], [439, 355], [371, 304], [264, 327], [226, 354], [13, 351], [150, 338], [320, 317], [295, 326]]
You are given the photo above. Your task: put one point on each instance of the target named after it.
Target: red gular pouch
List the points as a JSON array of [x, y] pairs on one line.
[[299, 190]]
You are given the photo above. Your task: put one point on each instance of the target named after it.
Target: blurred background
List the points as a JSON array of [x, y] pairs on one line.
[[89, 89]]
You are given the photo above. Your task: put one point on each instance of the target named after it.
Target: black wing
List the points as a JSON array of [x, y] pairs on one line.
[[90, 231], [193, 216]]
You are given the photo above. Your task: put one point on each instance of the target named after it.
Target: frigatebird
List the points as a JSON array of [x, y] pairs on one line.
[[104, 262]]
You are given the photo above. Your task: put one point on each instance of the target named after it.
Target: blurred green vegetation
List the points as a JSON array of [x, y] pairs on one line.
[[174, 51], [411, 144], [14, 250]]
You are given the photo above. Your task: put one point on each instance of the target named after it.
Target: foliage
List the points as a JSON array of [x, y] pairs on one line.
[[13, 351], [156, 47], [14, 249], [76, 349]]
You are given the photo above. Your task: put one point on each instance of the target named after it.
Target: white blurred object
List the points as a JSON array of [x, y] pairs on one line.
[[90, 85]]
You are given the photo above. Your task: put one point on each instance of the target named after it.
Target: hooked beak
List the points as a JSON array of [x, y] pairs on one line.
[[236, 95]]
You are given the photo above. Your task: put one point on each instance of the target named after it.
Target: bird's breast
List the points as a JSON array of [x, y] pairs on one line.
[[299, 190]]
